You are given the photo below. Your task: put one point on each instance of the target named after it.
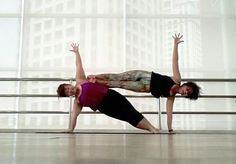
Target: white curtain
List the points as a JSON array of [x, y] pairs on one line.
[[114, 36]]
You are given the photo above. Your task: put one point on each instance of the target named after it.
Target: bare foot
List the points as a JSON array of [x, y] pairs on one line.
[[155, 131]]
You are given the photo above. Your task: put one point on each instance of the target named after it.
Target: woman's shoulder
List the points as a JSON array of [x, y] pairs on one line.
[[176, 80], [80, 82]]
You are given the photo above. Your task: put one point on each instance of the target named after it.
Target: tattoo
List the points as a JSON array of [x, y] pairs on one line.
[[136, 86]]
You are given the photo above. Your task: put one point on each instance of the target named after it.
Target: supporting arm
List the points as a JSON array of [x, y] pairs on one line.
[[169, 112], [73, 116]]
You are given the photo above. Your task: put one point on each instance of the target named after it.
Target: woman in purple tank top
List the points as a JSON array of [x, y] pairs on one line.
[[99, 97], [159, 85]]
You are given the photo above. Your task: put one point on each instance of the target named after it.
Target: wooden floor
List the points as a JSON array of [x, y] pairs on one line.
[[112, 148]]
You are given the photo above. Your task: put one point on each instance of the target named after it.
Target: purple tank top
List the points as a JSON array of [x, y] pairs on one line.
[[92, 94]]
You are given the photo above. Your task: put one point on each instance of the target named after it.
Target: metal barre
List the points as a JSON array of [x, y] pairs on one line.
[[129, 96], [87, 112], [73, 79], [36, 79]]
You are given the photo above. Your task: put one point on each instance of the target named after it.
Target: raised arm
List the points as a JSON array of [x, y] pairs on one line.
[[73, 116], [80, 75], [175, 65]]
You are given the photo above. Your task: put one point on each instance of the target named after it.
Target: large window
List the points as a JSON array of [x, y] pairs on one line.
[[114, 36]]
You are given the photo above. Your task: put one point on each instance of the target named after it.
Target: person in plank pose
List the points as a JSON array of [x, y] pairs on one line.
[[159, 85]]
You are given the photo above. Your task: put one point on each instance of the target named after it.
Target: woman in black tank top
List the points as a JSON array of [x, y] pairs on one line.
[[158, 85]]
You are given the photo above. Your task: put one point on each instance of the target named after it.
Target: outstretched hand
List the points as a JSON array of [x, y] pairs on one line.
[[75, 48], [177, 38]]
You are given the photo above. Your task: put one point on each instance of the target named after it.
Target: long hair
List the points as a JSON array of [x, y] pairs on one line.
[[61, 90]]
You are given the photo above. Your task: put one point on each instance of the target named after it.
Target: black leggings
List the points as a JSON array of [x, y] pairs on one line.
[[117, 106]]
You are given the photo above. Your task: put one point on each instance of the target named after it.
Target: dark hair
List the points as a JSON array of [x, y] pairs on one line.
[[196, 90], [61, 90]]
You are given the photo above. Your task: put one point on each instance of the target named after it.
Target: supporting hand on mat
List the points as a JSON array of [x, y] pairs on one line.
[[68, 131], [171, 131]]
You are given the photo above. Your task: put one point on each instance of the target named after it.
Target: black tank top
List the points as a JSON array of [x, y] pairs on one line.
[[160, 85]]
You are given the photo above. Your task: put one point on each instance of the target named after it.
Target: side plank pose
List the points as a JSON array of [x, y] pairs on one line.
[[99, 96], [159, 85]]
